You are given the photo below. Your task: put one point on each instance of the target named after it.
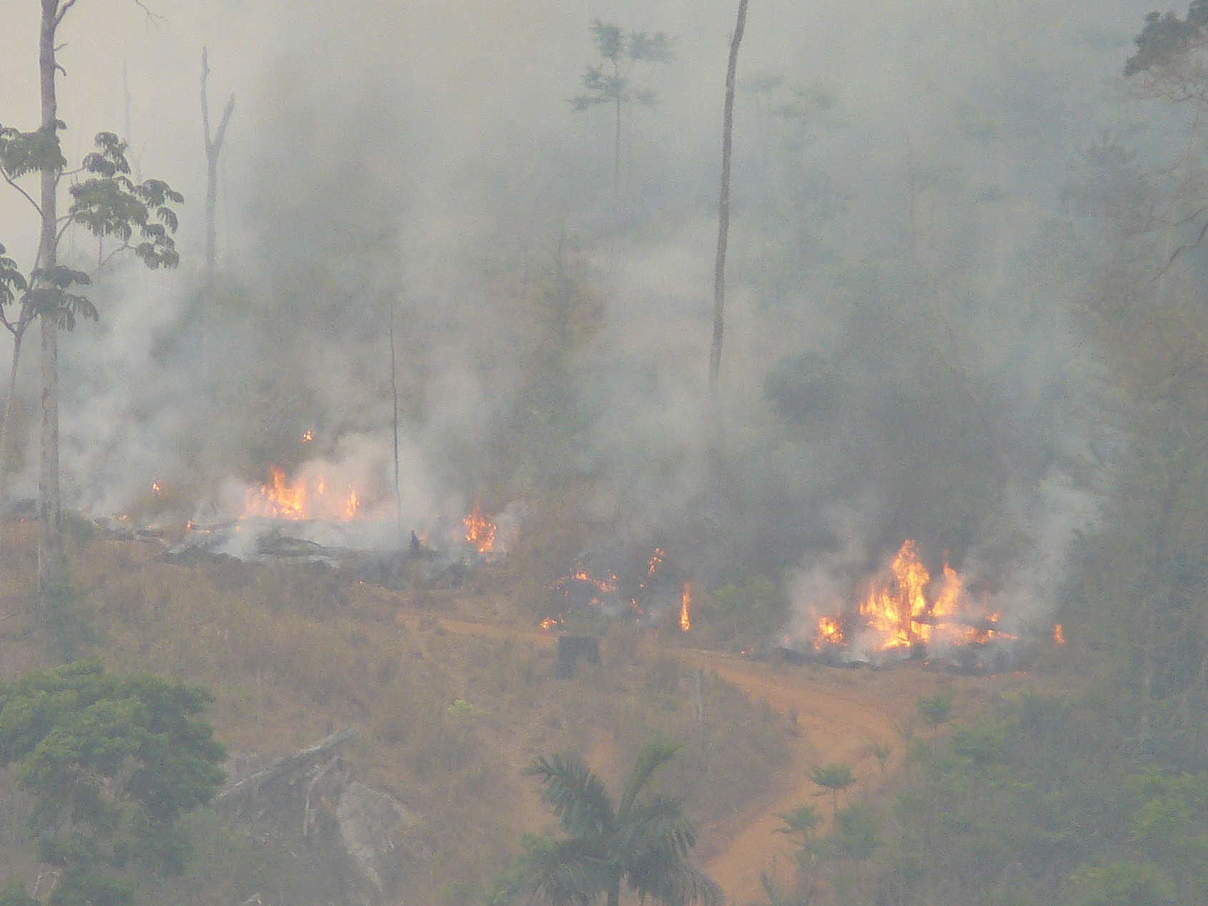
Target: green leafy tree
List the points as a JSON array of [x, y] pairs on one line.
[[834, 777], [642, 841], [109, 205], [111, 763], [935, 709], [609, 81]]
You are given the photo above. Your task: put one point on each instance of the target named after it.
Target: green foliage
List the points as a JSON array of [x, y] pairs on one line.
[[856, 833], [14, 894], [800, 823], [643, 840], [834, 777], [110, 204], [30, 152], [111, 763], [67, 625], [745, 613], [12, 280], [1165, 38], [107, 204], [935, 709], [1117, 883], [608, 82], [51, 299]]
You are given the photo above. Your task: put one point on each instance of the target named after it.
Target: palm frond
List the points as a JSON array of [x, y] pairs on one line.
[[565, 872], [657, 830], [575, 794], [678, 884], [652, 757]]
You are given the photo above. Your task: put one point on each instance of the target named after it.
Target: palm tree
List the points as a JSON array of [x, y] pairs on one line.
[[642, 840]]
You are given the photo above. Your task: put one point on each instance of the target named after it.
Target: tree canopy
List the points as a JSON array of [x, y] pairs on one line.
[[111, 762]]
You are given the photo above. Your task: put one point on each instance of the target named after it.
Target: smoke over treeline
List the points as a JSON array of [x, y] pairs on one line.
[[900, 357]]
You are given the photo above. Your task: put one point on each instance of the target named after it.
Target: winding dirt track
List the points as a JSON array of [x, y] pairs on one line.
[[839, 714]]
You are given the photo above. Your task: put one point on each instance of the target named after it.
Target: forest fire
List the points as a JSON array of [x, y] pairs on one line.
[[905, 610], [480, 531], [650, 592], [300, 499]]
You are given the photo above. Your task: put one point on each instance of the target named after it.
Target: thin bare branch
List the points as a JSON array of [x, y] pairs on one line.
[[63, 12], [222, 125], [153, 17], [8, 179], [1182, 248], [124, 247]]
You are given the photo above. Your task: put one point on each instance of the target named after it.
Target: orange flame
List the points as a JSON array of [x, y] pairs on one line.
[[655, 561], [156, 487], [1058, 634], [283, 499], [685, 614], [549, 623], [830, 632], [896, 613], [480, 531], [307, 436]]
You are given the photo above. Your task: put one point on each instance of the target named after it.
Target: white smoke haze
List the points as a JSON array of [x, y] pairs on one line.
[[898, 359]]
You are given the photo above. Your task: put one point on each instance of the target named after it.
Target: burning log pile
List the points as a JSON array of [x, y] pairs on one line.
[[655, 593], [906, 613]]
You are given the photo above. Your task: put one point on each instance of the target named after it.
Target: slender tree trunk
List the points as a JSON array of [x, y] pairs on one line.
[[616, 150], [213, 146], [52, 566], [10, 408], [723, 204], [398, 496]]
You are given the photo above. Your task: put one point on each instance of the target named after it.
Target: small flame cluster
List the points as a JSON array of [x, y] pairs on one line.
[[580, 583], [301, 499], [906, 608], [480, 531]]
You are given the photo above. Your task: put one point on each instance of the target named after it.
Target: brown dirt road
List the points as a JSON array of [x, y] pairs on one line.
[[839, 715]]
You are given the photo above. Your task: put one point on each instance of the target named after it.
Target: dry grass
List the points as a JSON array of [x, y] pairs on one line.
[[448, 719]]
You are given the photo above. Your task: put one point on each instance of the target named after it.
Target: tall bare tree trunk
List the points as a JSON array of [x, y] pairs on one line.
[[52, 565], [616, 150], [10, 408], [213, 145], [723, 204], [398, 496]]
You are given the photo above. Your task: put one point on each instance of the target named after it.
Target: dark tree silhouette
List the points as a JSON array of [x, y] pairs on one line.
[[641, 841]]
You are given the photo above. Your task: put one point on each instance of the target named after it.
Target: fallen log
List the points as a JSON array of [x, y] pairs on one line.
[[289, 764]]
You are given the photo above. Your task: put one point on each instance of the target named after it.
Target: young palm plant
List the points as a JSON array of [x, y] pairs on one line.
[[642, 841]]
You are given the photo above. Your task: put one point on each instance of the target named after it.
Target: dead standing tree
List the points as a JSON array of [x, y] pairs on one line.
[[213, 143], [723, 204]]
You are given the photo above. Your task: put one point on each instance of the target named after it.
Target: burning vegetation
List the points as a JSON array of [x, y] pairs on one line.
[[480, 531], [906, 611], [281, 498], [657, 594]]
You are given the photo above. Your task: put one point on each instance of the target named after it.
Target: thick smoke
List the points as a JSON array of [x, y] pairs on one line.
[[900, 360]]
